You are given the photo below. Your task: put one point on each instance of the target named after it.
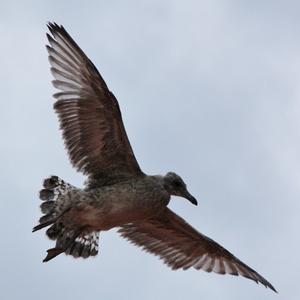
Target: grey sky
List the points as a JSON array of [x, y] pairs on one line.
[[209, 89]]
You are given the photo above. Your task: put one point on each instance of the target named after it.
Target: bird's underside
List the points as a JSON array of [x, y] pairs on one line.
[[98, 146]]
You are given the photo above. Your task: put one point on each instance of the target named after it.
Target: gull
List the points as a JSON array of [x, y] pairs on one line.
[[117, 193]]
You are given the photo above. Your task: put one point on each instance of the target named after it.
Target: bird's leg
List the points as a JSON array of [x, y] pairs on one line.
[[53, 252], [52, 221]]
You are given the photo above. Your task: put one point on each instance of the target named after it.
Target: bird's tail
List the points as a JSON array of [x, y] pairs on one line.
[[71, 241], [53, 204]]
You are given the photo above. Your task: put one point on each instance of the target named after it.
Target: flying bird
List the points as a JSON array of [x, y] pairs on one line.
[[117, 192]]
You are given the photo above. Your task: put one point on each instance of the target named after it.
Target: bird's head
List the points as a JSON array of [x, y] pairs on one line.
[[176, 186]]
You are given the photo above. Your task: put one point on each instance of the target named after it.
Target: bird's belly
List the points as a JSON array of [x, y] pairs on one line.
[[116, 213], [118, 218]]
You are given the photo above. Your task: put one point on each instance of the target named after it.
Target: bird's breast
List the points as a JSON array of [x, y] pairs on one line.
[[117, 205]]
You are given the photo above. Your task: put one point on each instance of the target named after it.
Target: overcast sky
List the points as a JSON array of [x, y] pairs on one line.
[[208, 89]]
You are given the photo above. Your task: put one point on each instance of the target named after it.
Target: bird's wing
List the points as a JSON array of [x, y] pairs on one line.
[[179, 245], [89, 113]]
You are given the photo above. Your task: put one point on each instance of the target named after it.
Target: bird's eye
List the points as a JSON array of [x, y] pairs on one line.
[[177, 183]]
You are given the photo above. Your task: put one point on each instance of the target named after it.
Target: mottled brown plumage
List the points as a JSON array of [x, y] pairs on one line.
[[180, 246], [89, 113], [118, 193]]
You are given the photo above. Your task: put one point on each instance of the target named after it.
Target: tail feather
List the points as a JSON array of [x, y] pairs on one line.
[[47, 207], [78, 244], [55, 230], [54, 189], [67, 241], [85, 245]]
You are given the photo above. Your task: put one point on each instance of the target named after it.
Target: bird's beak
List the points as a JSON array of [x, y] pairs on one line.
[[190, 198]]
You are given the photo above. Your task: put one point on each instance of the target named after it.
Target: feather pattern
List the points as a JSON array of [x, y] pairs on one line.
[[181, 246], [89, 113]]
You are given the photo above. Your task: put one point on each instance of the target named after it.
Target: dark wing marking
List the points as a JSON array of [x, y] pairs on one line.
[[181, 246], [89, 114]]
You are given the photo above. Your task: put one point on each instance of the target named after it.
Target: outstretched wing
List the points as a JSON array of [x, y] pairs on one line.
[[181, 246], [89, 113]]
